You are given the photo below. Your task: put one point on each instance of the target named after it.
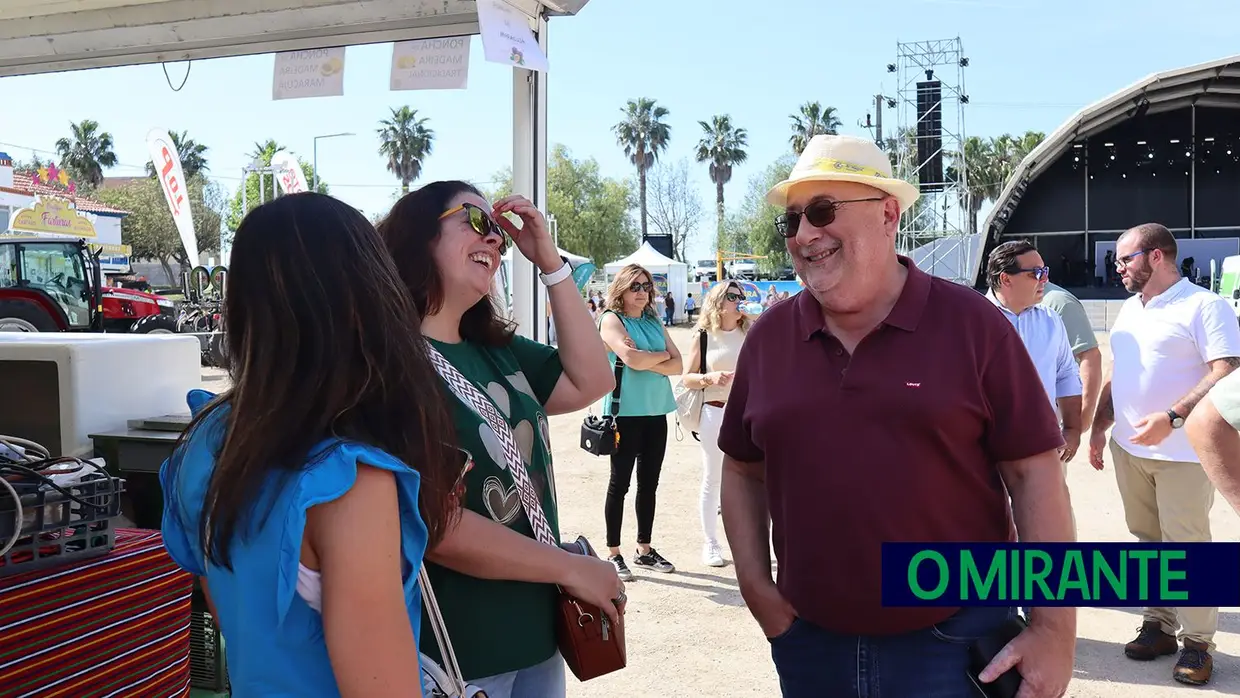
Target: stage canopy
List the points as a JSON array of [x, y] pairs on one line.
[[1165, 149]]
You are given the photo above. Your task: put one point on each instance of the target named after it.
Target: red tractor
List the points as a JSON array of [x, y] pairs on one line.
[[55, 286]]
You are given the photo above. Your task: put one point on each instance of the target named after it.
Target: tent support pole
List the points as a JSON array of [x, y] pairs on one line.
[[529, 177]]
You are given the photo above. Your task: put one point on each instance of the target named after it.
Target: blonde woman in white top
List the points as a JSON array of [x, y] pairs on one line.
[[725, 325]]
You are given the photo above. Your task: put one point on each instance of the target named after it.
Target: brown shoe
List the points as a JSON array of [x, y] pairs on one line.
[[1195, 665], [1151, 643]]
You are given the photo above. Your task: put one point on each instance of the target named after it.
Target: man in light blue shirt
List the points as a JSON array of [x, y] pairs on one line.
[[1017, 277]]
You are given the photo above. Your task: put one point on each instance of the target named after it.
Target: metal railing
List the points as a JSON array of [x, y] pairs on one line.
[[1102, 313]]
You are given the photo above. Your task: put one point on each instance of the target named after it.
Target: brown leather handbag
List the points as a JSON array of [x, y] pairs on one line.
[[589, 642]]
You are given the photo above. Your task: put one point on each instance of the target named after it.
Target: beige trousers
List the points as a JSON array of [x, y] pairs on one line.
[[1168, 501]]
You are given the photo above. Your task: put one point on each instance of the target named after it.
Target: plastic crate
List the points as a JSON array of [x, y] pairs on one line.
[[55, 529], [208, 665]]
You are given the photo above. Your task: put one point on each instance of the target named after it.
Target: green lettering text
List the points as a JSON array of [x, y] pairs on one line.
[[1102, 568], [1166, 575], [1143, 558], [1072, 576], [970, 575], [1037, 576], [944, 575]]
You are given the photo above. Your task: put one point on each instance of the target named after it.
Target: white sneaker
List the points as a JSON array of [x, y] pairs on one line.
[[712, 556]]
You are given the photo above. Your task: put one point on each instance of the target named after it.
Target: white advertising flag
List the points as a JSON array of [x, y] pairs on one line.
[[289, 173], [431, 64], [167, 164], [507, 37], [315, 73]]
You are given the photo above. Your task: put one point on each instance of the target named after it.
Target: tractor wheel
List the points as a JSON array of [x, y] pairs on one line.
[[20, 316], [154, 324]]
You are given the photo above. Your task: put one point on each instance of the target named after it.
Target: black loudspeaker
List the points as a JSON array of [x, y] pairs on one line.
[[930, 136], [661, 243]]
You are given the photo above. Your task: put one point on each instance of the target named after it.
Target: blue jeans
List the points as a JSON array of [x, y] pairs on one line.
[[931, 663], [545, 680]]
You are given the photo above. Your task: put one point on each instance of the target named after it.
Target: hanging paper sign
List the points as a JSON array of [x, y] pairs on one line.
[[507, 38], [431, 64], [289, 173], [315, 73], [172, 180]]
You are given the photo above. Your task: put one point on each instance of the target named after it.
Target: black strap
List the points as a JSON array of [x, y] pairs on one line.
[[615, 393], [618, 370], [702, 350]]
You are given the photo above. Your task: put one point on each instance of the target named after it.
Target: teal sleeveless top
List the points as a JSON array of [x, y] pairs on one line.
[[642, 393]]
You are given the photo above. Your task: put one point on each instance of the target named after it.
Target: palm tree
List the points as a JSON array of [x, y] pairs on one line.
[[263, 152], [1021, 147], [989, 164], [643, 134], [86, 153], [812, 120], [193, 155], [723, 146], [405, 141], [983, 178]]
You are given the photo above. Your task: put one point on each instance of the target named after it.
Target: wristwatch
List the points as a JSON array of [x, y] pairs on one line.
[[558, 275], [1176, 420]]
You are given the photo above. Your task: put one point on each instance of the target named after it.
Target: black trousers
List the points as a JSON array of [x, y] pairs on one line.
[[643, 443]]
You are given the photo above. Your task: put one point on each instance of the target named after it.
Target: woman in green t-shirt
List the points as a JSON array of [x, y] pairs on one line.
[[494, 580]]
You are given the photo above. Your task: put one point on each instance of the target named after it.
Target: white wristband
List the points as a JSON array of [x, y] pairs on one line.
[[556, 276]]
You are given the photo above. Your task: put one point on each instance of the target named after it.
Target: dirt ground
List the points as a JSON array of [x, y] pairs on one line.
[[689, 633]]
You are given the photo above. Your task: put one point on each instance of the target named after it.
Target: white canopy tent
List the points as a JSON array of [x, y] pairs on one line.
[[675, 273], [42, 37], [505, 282]]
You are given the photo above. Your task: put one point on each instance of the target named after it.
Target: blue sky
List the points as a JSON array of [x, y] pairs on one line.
[[1032, 64]]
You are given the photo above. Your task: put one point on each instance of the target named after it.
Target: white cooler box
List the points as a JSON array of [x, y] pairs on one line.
[[56, 388]]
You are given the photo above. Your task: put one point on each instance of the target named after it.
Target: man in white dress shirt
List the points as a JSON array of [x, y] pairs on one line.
[[1172, 342], [1017, 277]]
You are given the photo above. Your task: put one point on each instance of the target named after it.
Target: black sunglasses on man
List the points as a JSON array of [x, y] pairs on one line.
[[819, 213]]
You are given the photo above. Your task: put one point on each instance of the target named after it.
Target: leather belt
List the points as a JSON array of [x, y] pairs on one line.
[[716, 403]]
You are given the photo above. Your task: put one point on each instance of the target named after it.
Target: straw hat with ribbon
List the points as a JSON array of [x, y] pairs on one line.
[[844, 159]]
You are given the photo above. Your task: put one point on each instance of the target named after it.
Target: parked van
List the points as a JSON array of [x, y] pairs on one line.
[[1229, 282]]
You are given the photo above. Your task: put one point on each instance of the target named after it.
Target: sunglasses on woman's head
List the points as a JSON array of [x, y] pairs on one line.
[[819, 213], [640, 286], [481, 222]]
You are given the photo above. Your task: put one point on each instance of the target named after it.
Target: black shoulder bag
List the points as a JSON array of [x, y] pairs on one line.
[[701, 368], [599, 434]]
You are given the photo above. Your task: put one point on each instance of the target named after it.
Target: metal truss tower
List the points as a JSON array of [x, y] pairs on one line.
[[929, 138]]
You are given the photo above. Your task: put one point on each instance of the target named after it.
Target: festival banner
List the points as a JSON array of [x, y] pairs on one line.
[[289, 174], [49, 215], [172, 179]]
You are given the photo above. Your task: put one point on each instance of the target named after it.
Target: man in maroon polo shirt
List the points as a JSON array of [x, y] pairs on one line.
[[882, 404]]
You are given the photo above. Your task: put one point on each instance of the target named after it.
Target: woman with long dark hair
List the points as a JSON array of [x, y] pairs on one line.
[[495, 577], [304, 496]]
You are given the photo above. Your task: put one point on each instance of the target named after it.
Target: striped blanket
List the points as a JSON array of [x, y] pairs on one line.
[[112, 626]]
